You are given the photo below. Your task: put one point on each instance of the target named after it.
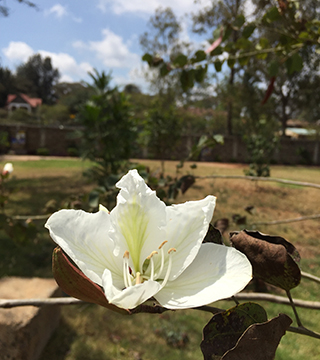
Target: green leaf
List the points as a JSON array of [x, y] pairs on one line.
[[148, 58], [224, 329], [239, 21], [271, 15], [243, 43], [180, 60], [248, 30], [243, 60], [187, 79], [200, 73], [273, 68], [199, 56], [164, 70], [227, 33], [217, 65], [216, 51], [231, 63], [294, 63], [264, 43]]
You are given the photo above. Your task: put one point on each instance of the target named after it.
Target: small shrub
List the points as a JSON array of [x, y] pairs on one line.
[[43, 151]]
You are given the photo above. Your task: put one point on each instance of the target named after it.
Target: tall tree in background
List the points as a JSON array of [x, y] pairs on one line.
[[7, 85], [108, 132], [37, 78], [223, 14]]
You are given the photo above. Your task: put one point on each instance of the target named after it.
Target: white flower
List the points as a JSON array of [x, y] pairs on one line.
[[144, 249], [7, 169]]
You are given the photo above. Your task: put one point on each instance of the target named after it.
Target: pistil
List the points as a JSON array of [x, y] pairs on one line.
[[126, 271]]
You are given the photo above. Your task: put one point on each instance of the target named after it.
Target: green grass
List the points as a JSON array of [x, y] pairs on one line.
[[94, 333]]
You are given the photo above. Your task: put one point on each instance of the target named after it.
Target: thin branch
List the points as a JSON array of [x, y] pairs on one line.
[[294, 309], [10, 303], [258, 178], [31, 217], [285, 221], [303, 331], [310, 277], [315, 305]]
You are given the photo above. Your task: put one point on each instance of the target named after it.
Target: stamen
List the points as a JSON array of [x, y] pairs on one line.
[[163, 244], [153, 253], [162, 260], [138, 278], [126, 270], [165, 280]]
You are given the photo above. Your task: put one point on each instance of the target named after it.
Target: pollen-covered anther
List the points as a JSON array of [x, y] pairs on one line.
[[171, 250], [126, 254], [153, 253], [164, 242]]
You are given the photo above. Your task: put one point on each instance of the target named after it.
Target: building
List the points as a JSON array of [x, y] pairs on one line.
[[22, 101]]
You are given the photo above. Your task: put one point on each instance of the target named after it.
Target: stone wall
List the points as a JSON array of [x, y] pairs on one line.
[[28, 139]]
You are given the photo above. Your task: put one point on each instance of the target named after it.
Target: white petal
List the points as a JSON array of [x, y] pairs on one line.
[[217, 272], [84, 237], [187, 225], [130, 297], [138, 220]]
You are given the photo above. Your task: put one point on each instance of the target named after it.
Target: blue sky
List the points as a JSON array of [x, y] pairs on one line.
[[80, 35]]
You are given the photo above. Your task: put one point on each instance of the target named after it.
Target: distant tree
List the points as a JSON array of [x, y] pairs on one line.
[[37, 78], [132, 89], [108, 135], [5, 10], [72, 95], [7, 85]]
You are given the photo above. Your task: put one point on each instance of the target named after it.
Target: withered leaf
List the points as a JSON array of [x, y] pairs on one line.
[[222, 224], [260, 341], [74, 283], [224, 329], [272, 257], [213, 235]]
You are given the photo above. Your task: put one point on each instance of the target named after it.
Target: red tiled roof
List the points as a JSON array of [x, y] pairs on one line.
[[33, 102]]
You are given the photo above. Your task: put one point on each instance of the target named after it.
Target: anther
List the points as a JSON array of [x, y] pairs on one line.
[[126, 254], [153, 253], [162, 244], [172, 250]]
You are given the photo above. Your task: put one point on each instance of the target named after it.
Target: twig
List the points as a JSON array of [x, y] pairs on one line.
[[258, 178], [310, 277], [315, 305], [10, 303], [303, 331], [31, 217], [294, 309], [275, 222]]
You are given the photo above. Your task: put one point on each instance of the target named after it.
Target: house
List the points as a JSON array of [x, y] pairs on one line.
[[22, 101]]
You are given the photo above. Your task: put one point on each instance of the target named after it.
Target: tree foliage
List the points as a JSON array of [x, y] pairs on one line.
[[37, 78]]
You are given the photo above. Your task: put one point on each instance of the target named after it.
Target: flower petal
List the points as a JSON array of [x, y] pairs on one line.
[[84, 237], [216, 273], [187, 225], [130, 297], [138, 220]]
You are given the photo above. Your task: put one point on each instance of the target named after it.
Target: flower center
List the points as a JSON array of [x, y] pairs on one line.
[[148, 272]]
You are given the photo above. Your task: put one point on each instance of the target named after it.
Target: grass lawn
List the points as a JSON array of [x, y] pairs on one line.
[[94, 333]]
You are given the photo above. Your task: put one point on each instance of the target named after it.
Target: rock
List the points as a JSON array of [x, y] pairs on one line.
[[25, 330]]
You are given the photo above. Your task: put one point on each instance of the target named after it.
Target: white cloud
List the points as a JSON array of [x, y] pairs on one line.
[[69, 69], [58, 10], [111, 50], [18, 51], [67, 65], [142, 7]]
